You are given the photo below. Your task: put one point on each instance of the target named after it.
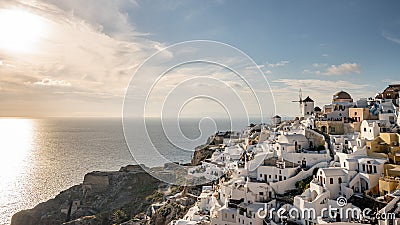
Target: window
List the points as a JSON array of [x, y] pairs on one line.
[[233, 216], [374, 169], [355, 113], [261, 193], [344, 164], [340, 180], [363, 167], [365, 129], [324, 180], [331, 180], [260, 175], [270, 176]]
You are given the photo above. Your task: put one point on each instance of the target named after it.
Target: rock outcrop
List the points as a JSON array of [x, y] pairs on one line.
[[200, 154], [102, 198]]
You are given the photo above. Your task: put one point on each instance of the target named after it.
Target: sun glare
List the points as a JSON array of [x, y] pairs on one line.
[[16, 136], [20, 30]]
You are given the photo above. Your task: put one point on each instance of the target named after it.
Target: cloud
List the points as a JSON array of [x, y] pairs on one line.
[[319, 65], [50, 82], [92, 45], [267, 72], [344, 68], [108, 17], [390, 81], [319, 85], [390, 37], [256, 67], [341, 69], [278, 64]]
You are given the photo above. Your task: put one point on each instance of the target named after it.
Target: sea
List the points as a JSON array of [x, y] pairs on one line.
[[41, 157]]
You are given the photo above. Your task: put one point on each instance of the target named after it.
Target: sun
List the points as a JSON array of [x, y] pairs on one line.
[[20, 30]]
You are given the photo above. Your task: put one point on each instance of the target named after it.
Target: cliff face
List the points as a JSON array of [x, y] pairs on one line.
[[200, 154], [103, 198]]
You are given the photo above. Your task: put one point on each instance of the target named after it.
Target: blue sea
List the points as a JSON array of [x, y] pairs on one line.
[[41, 157]]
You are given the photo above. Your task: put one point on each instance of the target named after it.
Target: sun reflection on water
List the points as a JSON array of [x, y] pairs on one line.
[[16, 143], [16, 139]]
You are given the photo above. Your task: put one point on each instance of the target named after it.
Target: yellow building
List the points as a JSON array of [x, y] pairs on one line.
[[330, 127], [391, 179], [386, 143]]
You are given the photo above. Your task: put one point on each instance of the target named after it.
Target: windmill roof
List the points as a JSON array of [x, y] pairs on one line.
[[308, 99]]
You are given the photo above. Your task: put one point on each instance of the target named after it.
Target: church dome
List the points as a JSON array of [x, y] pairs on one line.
[[342, 96]]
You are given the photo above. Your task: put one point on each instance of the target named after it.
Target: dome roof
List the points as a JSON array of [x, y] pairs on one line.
[[342, 95], [317, 109]]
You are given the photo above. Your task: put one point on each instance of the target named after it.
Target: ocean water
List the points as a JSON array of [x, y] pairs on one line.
[[41, 157]]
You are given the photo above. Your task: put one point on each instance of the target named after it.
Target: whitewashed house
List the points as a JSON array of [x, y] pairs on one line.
[[369, 129]]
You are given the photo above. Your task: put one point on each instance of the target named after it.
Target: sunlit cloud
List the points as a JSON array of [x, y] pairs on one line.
[[341, 69], [344, 68], [50, 82], [92, 49]]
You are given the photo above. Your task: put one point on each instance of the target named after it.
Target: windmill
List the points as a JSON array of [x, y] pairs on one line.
[[300, 99]]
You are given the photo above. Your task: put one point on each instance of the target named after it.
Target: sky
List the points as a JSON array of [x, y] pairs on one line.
[[78, 58]]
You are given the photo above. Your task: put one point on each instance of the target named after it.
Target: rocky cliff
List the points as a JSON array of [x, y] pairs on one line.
[[102, 198], [200, 154]]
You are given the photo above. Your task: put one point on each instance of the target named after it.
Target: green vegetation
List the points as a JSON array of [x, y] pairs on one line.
[[119, 216], [304, 184], [157, 196]]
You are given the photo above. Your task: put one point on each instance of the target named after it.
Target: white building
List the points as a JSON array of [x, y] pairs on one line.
[[275, 170], [243, 213], [370, 129], [357, 174], [344, 143], [307, 107], [291, 143], [339, 108]]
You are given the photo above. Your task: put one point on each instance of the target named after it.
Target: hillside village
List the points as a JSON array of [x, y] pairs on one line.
[[344, 155]]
